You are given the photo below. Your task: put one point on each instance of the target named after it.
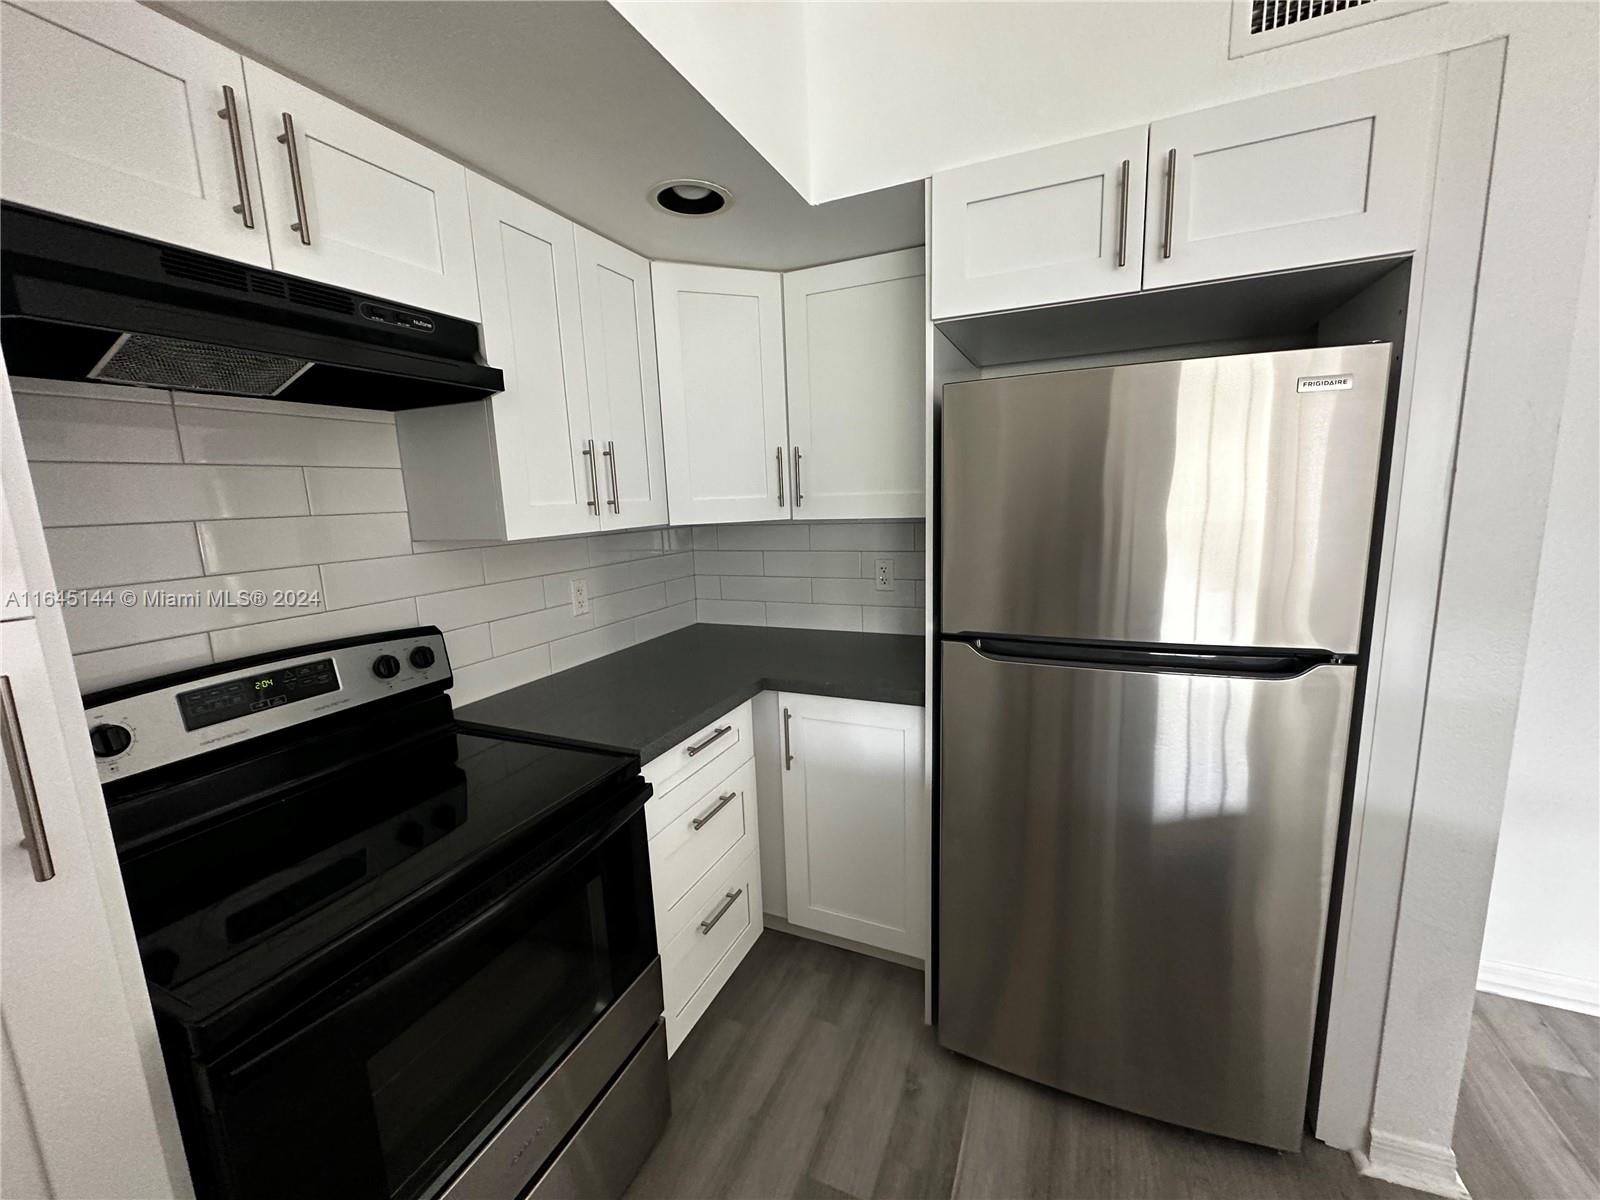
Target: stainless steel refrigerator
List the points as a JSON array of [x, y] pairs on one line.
[[1153, 580]]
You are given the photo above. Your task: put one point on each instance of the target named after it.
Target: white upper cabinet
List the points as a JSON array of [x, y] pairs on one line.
[[352, 203], [1062, 223], [854, 826], [1324, 173], [522, 464], [854, 342], [719, 338], [619, 341], [109, 113]]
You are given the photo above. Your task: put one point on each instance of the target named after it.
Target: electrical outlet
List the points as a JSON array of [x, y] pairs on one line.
[[885, 578], [580, 597]]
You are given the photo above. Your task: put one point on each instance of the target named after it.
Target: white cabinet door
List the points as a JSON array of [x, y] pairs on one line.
[[855, 835], [353, 203], [619, 341], [853, 341], [1324, 173], [719, 338], [1062, 223], [109, 114]]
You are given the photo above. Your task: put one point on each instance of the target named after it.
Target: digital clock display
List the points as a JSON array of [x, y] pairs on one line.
[[256, 693]]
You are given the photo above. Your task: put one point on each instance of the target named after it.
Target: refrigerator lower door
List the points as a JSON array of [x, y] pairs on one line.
[[1134, 878]]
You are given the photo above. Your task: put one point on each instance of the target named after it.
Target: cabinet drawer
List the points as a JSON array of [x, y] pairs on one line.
[[682, 851], [722, 919], [724, 741]]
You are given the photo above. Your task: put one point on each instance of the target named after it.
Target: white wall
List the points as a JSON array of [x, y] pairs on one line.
[[1542, 940]]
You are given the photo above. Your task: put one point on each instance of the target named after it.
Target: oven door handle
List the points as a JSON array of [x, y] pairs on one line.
[[245, 1060]]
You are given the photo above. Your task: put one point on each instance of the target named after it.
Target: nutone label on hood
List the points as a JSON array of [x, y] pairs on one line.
[[1324, 383]]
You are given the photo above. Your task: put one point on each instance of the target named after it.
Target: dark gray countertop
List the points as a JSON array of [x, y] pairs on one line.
[[649, 697]]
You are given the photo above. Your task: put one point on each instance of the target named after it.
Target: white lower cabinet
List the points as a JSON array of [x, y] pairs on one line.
[[855, 829]]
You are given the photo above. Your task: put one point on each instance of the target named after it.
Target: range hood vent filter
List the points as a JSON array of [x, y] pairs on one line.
[[149, 360]]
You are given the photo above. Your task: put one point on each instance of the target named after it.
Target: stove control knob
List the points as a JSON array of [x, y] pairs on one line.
[[109, 741], [386, 666], [422, 657]]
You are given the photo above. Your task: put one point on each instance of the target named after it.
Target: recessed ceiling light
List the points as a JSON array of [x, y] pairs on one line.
[[690, 197]]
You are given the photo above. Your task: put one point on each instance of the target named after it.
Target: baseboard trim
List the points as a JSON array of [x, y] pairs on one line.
[[843, 943], [1540, 987], [1422, 1166]]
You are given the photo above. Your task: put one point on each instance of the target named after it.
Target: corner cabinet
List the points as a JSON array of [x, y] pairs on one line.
[[1325, 173], [719, 338], [854, 340], [353, 203], [115, 115], [573, 444], [855, 831]]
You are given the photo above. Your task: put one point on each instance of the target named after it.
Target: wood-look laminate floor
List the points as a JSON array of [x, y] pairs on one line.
[[812, 1075]]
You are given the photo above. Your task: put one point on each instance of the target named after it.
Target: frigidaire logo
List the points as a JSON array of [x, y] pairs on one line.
[[1324, 383]]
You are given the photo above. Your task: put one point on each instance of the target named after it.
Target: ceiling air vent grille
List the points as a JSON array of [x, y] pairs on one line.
[[1263, 24]]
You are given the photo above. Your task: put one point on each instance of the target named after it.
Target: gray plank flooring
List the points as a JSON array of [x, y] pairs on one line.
[[812, 1076]]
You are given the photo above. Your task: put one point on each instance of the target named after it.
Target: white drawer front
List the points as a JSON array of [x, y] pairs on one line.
[[725, 740], [701, 827], [723, 920]]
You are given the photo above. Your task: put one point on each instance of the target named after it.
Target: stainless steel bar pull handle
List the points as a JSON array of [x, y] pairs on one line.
[[302, 224], [615, 502], [1122, 224], [779, 453], [727, 903], [229, 112], [716, 733], [1172, 186], [788, 746], [799, 496], [594, 479], [704, 818], [16, 752]]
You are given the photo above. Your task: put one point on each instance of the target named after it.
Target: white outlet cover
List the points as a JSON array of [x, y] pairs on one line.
[[580, 597], [885, 575]]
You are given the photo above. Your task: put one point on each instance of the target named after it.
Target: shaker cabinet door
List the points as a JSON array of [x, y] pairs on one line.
[[115, 115], [352, 203], [1324, 173], [854, 334], [719, 338], [1062, 223], [619, 342]]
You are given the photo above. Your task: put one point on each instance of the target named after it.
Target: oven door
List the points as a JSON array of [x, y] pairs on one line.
[[397, 1075]]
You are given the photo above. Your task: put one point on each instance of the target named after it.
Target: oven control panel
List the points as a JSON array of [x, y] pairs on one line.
[[178, 717]]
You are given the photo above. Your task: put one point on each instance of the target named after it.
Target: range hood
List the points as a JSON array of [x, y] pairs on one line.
[[81, 302]]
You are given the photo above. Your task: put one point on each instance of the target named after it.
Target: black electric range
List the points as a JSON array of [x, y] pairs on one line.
[[390, 954]]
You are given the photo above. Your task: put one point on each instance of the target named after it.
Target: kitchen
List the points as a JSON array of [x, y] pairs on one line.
[[595, 475]]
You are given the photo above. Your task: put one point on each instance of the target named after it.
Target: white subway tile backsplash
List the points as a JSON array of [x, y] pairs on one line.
[[891, 620], [125, 664], [619, 606], [906, 566], [732, 612], [762, 587], [72, 429], [727, 562], [355, 490], [347, 584], [467, 646], [815, 563], [784, 535], [314, 627], [480, 605], [620, 547], [173, 607], [139, 493], [520, 560], [528, 629], [595, 643], [288, 408], [676, 591], [864, 535], [864, 591], [220, 435], [499, 673], [258, 543], [708, 587], [663, 621], [815, 616], [621, 577], [93, 555]]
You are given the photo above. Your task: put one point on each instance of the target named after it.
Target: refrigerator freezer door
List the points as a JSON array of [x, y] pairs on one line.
[[1134, 880], [1217, 501]]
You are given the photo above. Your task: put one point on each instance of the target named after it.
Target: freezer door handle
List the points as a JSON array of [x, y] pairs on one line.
[[1186, 660]]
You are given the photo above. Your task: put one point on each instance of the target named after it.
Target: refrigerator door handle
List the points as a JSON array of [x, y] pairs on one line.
[[1180, 659]]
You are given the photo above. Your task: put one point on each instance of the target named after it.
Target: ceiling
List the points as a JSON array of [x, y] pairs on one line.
[[566, 103]]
